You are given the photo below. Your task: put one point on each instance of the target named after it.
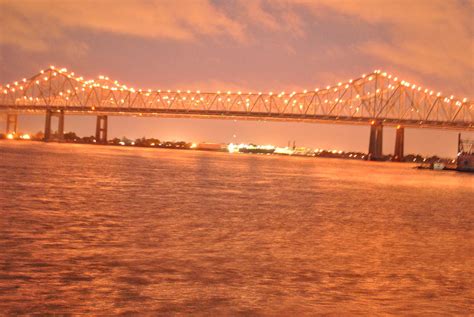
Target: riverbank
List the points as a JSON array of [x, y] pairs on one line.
[[250, 148]]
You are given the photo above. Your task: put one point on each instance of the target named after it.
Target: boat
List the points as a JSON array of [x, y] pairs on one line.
[[465, 159]]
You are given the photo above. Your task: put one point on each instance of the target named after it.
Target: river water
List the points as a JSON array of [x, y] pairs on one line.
[[112, 230]]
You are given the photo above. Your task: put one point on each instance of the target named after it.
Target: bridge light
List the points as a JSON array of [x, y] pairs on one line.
[[305, 91], [370, 78], [51, 66], [198, 91], [350, 81], [464, 100], [364, 75], [327, 87], [452, 97], [316, 90], [339, 83], [239, 92], [438, 94]]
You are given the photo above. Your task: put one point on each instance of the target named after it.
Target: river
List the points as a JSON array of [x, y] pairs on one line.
[[101, 230]]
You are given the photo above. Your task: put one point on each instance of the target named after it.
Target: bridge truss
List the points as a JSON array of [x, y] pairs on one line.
[[375, 97]]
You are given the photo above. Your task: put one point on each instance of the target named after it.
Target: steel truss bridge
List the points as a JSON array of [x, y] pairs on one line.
[[374, 99]]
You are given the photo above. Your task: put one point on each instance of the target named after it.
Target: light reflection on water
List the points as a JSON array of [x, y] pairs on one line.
[[108, 230]]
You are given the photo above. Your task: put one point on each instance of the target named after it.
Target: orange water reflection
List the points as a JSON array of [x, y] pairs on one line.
[[102, 230]]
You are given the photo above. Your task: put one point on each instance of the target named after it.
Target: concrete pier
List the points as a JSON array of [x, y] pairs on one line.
[[12, 123], [101, 129], [376, 140], [47, 127], [399, 144]]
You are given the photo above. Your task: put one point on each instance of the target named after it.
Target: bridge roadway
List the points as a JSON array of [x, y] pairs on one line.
[[237, 115]]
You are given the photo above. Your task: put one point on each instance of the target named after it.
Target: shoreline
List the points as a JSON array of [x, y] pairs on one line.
[[342, 156]]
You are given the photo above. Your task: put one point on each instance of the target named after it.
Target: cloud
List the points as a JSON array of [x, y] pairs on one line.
[[424, 38], [431, 37], [271, 16], [32, 25]]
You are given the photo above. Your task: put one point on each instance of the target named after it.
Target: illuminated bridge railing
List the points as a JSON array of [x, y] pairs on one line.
[[377, 96]]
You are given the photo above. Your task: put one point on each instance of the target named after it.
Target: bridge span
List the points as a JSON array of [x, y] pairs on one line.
[[377, 99]]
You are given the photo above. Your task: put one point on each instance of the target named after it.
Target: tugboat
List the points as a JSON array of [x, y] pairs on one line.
[[465, 160]]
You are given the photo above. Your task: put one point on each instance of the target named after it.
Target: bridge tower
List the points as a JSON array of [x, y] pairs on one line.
[[101, 129], [47, 128], [12, 123], [399, 144], [376, 140]]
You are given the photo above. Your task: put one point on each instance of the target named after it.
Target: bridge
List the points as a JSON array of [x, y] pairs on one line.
[[376, 99]]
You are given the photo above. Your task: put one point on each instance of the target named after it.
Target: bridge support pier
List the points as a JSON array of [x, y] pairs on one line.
[[101, 129], [12, 123], [376, 141], [399, 144], [47, 127]]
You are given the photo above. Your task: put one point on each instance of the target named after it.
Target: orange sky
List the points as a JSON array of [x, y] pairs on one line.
[[253, 45]]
